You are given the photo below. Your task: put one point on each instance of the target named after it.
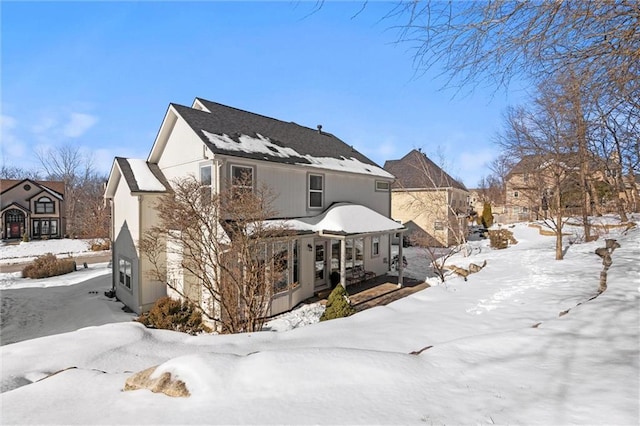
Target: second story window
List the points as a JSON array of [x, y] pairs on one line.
[[205, 181], [382, 186], [45, 205], [242, 178], [316, 191]]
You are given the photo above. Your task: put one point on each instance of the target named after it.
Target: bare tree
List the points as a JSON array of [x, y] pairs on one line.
[[85, 213], [222, 251], [543, 134], [494, 41], [17, 173], [435, 201]]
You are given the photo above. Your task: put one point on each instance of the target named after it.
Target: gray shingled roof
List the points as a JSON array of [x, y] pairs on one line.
[[416, 171], [233, 122]]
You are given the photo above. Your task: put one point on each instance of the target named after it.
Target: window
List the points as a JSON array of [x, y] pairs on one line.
[[354, 253], [438, 225], [124, 267], [242, 178], [282, 268], [316, 189], [45, 205], [205, 175], [45, 227], [205, 181], [515, 194], [382, 185], [375, 246]]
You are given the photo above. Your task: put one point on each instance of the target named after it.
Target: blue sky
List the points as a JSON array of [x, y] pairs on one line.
[[100, 75]]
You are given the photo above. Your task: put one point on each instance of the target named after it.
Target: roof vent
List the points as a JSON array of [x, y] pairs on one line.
[[320, 128]]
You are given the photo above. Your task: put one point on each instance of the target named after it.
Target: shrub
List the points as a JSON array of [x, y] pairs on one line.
[[25, 237], [100, 245], [177, 315], [501, 238], [48, 265], [338, 305], [487, 216]]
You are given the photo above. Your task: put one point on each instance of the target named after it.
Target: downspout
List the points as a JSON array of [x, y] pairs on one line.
[[138, 280], [112, 231], [400, 261]]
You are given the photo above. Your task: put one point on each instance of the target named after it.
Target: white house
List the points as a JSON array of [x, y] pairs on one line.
[[336, 200]]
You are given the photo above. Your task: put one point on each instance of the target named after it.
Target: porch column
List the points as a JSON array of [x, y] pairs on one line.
[[400, 262], [343, 263]]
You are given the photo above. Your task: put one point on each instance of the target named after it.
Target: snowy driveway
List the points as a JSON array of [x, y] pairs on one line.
[[28, 313]]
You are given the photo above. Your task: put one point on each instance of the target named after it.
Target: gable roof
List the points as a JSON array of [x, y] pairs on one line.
[[230, 131], [416, 171], [534, 162], [142, 176], [54, 187], [16, 205]]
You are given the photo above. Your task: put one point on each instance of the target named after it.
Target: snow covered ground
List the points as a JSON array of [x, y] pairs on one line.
[[492, 350], [26, 251]]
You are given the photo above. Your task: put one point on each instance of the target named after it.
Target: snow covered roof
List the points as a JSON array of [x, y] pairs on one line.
[[142, 176], [345, 218], [231, 131]]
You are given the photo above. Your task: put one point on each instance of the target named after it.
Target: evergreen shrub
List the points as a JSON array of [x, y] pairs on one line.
[[338, 305], [48, 265], [487, 216], [176, 315]]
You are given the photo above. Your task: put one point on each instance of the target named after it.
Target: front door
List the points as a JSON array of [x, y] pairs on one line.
[[320, 265], [14, 230], [14, 221]]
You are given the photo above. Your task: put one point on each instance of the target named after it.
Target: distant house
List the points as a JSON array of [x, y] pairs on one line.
[[430, 203], [34, 208], [336, 200]]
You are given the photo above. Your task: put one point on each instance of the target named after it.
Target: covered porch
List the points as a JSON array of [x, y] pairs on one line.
[[352, 243]]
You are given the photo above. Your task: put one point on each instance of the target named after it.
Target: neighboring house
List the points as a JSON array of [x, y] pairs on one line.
[[336, 199], [34, 208], [533, 181], [430, 203]]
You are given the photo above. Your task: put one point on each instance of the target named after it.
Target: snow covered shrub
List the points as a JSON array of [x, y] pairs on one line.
[[338, 305], [171, 314], [501, 238], [48, 265]]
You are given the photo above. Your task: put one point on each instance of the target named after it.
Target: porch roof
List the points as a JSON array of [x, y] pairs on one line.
[[345, 219]]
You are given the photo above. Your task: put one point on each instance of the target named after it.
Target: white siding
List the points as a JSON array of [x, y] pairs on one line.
[[183, 152], [289, 184], [150, 290], [126, 230]]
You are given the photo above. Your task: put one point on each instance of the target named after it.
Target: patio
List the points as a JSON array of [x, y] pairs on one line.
[[376, 291]]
